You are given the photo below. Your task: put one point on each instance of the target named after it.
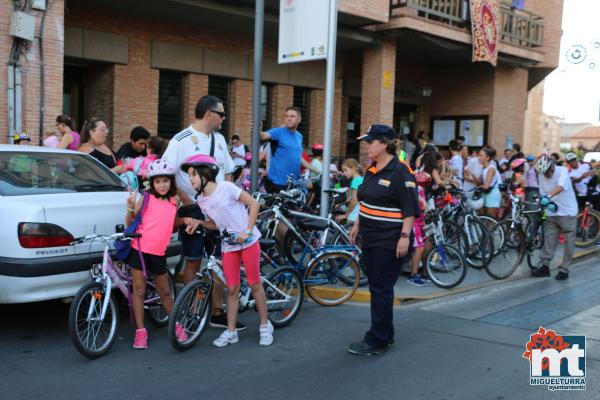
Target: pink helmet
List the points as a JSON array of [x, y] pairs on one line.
[[317, 146], [248, 156], [160, 168], [517, 163], [200, 160]]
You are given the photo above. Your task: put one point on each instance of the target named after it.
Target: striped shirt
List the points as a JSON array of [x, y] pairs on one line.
[[224, 207]]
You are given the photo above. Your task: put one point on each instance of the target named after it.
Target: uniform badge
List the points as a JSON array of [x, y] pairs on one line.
[[195, 139], [384, 182], [410, 184]]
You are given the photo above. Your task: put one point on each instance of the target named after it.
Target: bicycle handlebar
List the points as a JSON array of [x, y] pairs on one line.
[[119, 235]]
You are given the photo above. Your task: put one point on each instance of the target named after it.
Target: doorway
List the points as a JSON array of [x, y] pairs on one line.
[[353, 128]]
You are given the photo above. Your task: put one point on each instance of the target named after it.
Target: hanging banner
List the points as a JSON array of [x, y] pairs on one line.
[[303, 30], [485, 25]]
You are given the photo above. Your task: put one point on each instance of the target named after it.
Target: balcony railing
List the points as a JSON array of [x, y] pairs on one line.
[[517, 27]]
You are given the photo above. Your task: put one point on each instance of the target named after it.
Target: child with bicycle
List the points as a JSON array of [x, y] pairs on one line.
[[158, 208], [353, 172], [423, 180], [225, 206]]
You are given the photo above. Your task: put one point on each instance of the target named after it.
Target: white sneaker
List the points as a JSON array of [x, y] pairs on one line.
[[266, 334], [226, 338]]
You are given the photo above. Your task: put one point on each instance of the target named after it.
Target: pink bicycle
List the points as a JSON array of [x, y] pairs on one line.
[[93, 316]]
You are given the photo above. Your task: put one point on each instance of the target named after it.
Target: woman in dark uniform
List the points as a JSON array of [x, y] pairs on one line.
[[388, 206]]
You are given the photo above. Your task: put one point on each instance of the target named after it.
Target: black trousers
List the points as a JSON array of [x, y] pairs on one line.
[[383, 269], [273, 188]]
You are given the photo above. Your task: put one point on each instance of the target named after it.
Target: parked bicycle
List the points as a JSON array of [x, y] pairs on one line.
[[94, 316], [512, 239], [588, 226], [445, 264], [331, 272]]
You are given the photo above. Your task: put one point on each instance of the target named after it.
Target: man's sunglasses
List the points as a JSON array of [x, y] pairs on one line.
[[219, 113]]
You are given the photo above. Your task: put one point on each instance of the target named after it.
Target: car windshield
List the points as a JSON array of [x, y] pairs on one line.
[[28, 173]]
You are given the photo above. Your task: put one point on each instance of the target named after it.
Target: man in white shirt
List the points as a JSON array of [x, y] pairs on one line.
[[556, 187], [581, 174], [201, 137]]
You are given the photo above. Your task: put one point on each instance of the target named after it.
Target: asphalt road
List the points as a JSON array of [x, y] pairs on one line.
[[466, 346]]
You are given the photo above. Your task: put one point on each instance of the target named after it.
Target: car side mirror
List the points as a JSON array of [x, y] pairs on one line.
[[119, 228]]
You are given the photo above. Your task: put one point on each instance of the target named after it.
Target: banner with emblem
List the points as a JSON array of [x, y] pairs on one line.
[[485, 26]]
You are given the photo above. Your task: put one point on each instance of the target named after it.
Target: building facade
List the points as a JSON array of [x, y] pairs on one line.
[[405, 63]]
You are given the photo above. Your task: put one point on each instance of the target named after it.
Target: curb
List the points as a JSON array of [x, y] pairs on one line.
[[363, 295]]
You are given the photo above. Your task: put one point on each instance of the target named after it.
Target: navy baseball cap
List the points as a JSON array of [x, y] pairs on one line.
[[378, 131]]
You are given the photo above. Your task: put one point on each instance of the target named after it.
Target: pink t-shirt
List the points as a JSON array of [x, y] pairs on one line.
[[51, 141], [156, 226], [228, 212], [132, 163], [74, 145]]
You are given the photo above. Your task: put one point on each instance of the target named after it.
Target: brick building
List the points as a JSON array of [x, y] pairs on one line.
[[400, 62]]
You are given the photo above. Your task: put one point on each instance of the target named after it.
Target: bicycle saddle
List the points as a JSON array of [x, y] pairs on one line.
[[316, 225], [266, 244]]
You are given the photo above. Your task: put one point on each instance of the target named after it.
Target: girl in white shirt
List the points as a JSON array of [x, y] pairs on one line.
[[225, 206]]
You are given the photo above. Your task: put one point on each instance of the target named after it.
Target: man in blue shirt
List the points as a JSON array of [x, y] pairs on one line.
[[287, 158]]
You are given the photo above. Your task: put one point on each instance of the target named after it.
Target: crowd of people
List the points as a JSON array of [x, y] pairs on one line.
[[198, 181]]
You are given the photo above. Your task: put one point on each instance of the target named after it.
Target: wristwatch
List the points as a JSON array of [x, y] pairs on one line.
[[403, 235], [248, 232]]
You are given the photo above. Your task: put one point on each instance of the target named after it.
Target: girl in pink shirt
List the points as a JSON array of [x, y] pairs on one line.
[[225, 205], [155, 227]]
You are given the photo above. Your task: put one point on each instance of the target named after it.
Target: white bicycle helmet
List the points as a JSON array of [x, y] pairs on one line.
[[476, 203], [543, 164], [160, 168]]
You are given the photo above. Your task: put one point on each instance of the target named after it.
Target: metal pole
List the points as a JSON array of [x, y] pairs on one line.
[[259, 23], [329, 92], [11, 103]]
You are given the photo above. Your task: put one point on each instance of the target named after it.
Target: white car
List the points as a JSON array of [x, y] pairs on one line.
[[48, 197]]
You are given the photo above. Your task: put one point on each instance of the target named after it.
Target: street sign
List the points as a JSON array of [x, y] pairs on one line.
[[303, 30]]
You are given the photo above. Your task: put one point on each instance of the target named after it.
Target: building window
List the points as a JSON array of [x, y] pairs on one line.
[[302, 100], [221, 88], [266, 96], [473, 128], [170, 86]]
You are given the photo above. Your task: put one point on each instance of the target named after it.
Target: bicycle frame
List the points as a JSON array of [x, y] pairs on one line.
[[108, 276], [246, 300]]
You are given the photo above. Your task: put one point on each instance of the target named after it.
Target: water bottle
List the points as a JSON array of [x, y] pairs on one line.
[[213, 264]]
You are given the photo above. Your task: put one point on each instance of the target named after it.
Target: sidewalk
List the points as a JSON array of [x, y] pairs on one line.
[[474, 279]]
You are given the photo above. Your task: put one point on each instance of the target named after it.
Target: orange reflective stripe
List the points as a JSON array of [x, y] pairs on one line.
[[380, 213], [372, 170], [407, 166]]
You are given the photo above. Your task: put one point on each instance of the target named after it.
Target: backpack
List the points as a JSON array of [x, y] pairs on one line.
[[123, 247], [130, 178]]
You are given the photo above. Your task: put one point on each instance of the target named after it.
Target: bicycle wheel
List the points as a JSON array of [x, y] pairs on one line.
[[474, 251], [535, 245], [338, 238], [506, 255], [588, 229], [285, 295], [294, 247], [322, 280], [192, 311], [91, 334], [152, 304], [454, 234], [445, 265]]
